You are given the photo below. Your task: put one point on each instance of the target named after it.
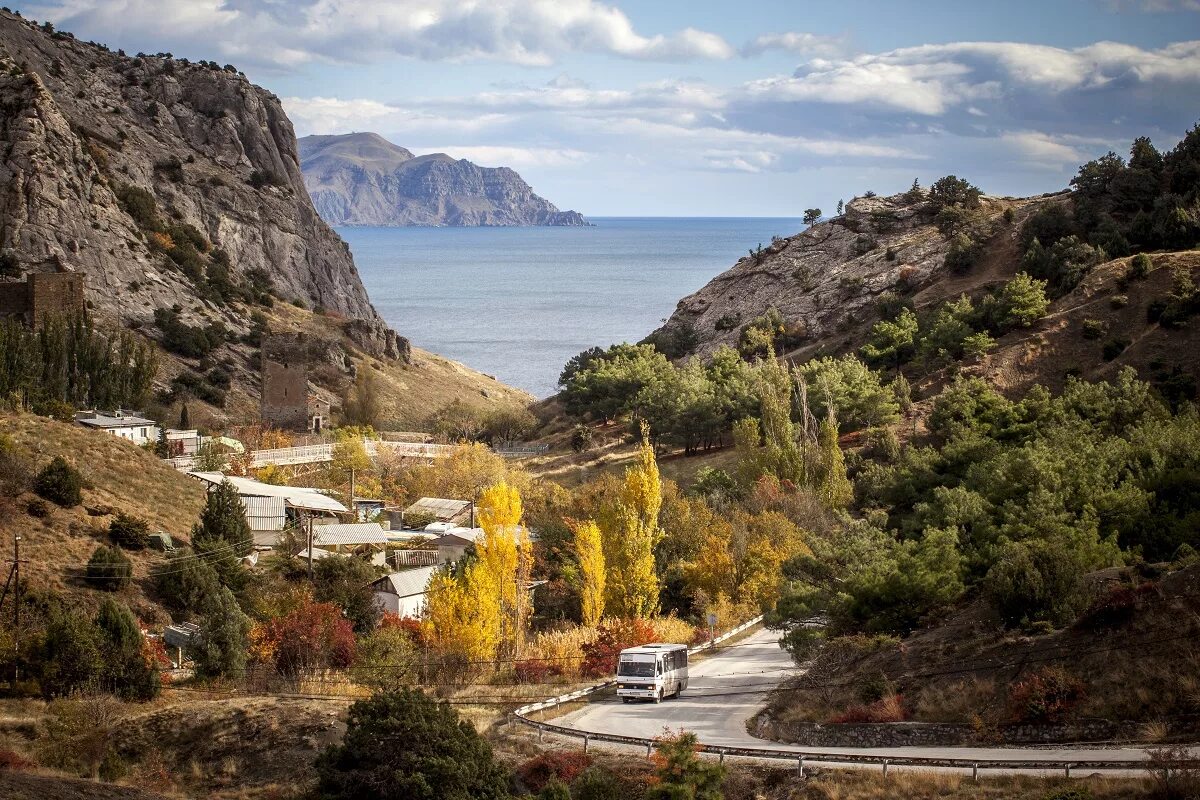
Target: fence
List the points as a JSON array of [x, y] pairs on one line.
[[802, 757], [315, 453]]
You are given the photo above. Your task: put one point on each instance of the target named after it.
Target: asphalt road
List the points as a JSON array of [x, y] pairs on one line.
[[727, 688]]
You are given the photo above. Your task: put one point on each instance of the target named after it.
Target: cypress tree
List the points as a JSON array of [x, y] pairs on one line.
[[223, 536]]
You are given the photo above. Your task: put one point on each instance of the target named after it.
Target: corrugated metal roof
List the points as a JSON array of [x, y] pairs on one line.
[[350, 533], [295, 496], [106, 421], [265, 513], [440, 507], [407, 583], [470, 535]]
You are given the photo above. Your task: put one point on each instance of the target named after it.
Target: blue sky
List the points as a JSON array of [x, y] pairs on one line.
[[706, 108]]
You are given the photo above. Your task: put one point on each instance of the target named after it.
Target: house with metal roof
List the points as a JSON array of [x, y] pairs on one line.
[[441, 509], [358, 538], [122, 424], [270, 508], [451, 541], [403, 593]]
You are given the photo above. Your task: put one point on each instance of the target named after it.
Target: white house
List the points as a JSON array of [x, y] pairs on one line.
[[183, 442], [123, 424], [451, 541], [403, 593]]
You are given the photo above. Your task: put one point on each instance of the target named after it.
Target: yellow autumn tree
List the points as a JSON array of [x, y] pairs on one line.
[[742, 559], [590, 552], [630, 532], [459, 622], [505, 558]]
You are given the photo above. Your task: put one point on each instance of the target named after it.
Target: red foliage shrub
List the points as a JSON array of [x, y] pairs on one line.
[[1116, 607], [411, 628], [700, 636], [314, 636], [600, 656], [537, 670], [562, 764], [1045, 696], [889, 708], [10, 759]]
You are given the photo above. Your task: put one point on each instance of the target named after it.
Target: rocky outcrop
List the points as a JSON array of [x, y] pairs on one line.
[[827, 280], [82, 125], [363, 179]]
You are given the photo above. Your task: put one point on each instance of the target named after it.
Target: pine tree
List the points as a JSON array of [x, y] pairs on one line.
[[128, 670], [835, 488], [223, 535], [682, 774], [220, 647], [589, 550], [185, 419], [840, 207]]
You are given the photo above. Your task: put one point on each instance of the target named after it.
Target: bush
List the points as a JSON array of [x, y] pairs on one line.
[[59, 483], [37, 508], [182, 339], [953, 191], [536, 670], [561, 765], [313, 636], [962, 255], [1114, 348], [1046, 696], [1140, 266], [1094, 328], [600, 656], [109, 569], [581, 438], [129, 532], [403, 745], [889, 708], [598, 783]]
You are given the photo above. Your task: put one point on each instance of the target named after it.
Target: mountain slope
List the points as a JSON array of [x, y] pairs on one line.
[[84, 126], [363, 179]]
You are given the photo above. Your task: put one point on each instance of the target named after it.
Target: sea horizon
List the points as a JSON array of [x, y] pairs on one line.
[[518, 302]]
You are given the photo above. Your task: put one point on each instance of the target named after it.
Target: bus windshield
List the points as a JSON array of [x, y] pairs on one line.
[[635, 669]]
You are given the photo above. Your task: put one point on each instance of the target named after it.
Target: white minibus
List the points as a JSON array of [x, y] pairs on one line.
[[652, 672]]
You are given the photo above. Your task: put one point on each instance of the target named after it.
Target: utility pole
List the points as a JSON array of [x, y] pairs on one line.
[[353, 511], [310, 547]]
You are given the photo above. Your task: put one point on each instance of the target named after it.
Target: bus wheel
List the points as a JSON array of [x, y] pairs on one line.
[[626, 699], [678, 690], [658, 696]]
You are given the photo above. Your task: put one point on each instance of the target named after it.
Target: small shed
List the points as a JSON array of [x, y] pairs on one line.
[[358, 538], [441, 509], [403, 593], [452, 543], [271, 508]]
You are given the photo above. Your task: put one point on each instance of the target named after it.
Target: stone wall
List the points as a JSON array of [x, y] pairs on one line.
[[43, 295], [285, 382]]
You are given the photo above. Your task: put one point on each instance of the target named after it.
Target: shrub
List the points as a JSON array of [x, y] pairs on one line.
[[962, 255], [37, 508], [12, 760], [598, 783], [261, 178], [1045, 696], [186, 340], [1118, 301], [140, 205], [129, 532], [953, 191], [109, 569], [681, 773], [537, 671], [1094, 328], [1114, 348], [1117, 606], [727, 322], [1140, 266], [889, 708], [59, 483], [600, 656], [440, 755], [561, 765], [581, 438], [313, 636]]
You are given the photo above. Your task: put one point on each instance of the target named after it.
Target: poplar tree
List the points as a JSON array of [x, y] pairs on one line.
[[630, 533], [589, 550], [504, 556], [835, 488]]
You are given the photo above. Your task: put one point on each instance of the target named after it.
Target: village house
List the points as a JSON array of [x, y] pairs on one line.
[[403, 593], [271, 509], [122, 424], [441, 509], [451, 541]]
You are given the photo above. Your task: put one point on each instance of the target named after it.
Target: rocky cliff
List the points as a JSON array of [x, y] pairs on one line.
[[168, 183], [362, 179], [826, 281]]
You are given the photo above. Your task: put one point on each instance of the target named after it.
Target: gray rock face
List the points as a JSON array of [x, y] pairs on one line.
[[215, 152], [825, 281], [363, 179]]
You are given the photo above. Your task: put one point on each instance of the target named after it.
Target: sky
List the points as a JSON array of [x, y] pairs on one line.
[[699, 107]]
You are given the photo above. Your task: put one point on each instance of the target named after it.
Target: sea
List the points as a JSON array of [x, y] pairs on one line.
[[517, 303]]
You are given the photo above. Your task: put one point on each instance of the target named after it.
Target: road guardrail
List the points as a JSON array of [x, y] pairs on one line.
[[808, 757]]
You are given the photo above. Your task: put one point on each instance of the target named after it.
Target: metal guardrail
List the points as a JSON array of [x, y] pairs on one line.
[[314, 453], [803, 757]]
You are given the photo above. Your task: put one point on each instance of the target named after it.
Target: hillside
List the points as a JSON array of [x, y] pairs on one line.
[[175, 187], [118, 476], [363, 179]]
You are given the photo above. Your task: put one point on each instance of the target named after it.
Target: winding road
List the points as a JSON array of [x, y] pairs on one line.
[[727, 688]]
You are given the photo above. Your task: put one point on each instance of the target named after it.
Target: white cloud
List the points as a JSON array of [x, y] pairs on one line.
[[330, 115], [929, 80], [1041, 148], [533, 32], [801, 44]]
